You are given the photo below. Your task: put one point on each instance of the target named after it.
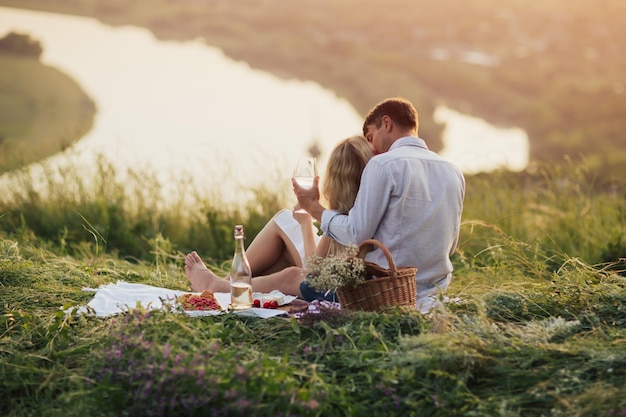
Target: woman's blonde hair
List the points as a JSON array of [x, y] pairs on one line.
[[343, 175]]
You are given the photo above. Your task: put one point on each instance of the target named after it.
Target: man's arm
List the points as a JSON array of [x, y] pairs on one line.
[[370, 206]]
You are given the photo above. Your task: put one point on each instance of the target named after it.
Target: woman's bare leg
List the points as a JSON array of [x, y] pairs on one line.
[[286, 280], [201, 278], [271, 251]]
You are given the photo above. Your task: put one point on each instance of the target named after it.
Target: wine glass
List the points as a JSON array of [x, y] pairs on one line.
[[304, 174]]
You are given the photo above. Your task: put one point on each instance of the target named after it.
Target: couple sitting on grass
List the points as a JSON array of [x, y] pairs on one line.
[[386, 186]]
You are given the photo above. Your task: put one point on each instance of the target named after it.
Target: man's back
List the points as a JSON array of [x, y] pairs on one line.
[[411, 200]]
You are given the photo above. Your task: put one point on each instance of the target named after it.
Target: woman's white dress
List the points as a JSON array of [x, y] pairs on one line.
[[284, 219]]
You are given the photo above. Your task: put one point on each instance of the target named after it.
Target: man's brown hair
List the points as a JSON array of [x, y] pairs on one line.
[[398, 109]]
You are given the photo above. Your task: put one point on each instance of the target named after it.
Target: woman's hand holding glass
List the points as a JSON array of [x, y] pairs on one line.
[[307, 197], [304, 175]]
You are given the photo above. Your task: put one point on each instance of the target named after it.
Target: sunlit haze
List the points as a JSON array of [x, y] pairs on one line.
[[186, 110]]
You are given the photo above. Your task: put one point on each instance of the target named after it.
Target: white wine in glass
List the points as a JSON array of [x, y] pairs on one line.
[[305, 172]]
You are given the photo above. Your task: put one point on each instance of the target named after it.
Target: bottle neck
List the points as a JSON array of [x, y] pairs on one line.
[[240, 266], [239, 246]]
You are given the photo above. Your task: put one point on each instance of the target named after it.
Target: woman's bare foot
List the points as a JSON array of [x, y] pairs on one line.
[[201, 277]]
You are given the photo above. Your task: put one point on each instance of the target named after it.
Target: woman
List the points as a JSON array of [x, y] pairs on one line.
[[277, 254]]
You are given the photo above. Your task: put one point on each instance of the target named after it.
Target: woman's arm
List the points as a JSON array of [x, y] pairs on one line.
[[323, 246], [308, 231]]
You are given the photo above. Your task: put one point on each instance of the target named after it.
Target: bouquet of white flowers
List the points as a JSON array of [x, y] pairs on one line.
[[335, 271]]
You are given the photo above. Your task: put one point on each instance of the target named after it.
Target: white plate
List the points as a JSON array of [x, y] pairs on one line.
[[281, 298], [223, 299]]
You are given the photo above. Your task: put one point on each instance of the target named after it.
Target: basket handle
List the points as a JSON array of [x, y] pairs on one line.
[[373, 242]]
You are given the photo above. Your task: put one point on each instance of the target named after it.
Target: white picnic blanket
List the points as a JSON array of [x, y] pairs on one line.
[[111, 299]]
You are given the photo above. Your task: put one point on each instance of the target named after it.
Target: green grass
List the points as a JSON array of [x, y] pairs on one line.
[[104, 212], [42, 111], [537, 326]]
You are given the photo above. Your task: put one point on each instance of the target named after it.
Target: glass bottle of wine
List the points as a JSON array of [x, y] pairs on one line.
[[240, 274]]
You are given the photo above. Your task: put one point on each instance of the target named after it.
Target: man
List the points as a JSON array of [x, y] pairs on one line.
[[410, 199]]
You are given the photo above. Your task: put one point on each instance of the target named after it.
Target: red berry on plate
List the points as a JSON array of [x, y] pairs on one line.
[[256, 303]]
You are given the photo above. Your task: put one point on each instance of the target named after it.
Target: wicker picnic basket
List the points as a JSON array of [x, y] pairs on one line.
[[388, 288]]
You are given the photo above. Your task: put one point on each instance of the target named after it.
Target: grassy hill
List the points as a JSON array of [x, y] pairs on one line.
[[42, 111], [536, 325]]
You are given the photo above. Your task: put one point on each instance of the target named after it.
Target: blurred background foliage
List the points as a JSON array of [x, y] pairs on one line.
[[554, 68]]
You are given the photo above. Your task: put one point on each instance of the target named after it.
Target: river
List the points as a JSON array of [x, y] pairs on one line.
[[188, 112]]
